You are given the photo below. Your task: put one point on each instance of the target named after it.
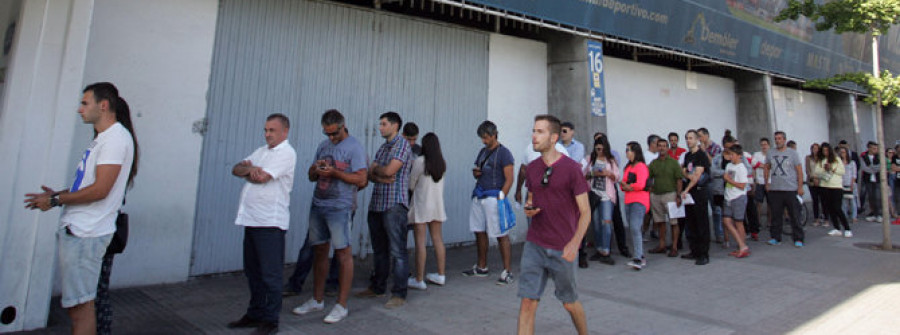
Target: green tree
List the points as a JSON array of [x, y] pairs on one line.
[[874, 18]]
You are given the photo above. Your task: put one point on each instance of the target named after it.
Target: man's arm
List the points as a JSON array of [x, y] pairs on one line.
[[766, 168], [355, 178], [388, 170], [508, 175], [105, 178], [584, 220], [694, 177], [313, 171], [678, 186], [520, 179], [242, 169], [799, 169]]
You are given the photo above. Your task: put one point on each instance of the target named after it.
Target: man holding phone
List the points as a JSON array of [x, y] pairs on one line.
[[493, 173], [557, 203]]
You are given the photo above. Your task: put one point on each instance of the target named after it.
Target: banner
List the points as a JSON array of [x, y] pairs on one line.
[[595, 64], [742, 32]]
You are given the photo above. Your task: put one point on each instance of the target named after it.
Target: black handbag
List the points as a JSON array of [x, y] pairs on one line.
[[120, 237]]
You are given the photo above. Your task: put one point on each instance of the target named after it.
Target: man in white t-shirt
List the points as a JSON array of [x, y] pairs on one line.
[[91, 205], [263, 212]]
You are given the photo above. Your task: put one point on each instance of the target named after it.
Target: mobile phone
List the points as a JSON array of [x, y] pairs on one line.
[[530, 208]]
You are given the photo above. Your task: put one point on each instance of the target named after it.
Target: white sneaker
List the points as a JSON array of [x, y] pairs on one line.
[[435, 278], [878, 218], [309, 306], [870, 218], [848, 233], [413, 283], [337, 314], [834, 232]]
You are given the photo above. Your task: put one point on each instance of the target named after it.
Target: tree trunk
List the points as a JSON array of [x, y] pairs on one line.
[[882, 166]]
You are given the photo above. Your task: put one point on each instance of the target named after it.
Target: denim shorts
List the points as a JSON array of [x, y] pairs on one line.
[[537, 265], [328, 224], [735, 208], [80, 260]]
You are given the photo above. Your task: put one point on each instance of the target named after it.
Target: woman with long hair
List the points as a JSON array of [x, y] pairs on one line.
[[829, 171], [637, 199], [426, 180], [848, 183], [602, 173], [813, 184]]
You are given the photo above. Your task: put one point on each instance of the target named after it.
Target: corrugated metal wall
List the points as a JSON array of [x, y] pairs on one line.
[[303, 57]]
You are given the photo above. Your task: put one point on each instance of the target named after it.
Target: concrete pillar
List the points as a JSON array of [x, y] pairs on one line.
[[843, 123], [37, 120], [568, 96], [755, 111]]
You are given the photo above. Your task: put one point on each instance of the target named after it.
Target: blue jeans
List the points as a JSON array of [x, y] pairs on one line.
[[602, 221], [264, 268], [635, 212], [388, 233], [849, 207], [304, 266]]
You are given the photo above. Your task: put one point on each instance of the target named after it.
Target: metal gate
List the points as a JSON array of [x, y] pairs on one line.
[[301, 58]]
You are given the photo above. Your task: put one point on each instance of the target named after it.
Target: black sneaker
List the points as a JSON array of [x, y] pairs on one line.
[[245, 322], [266, 328], [475, 271], [607, 260], [625, 253]]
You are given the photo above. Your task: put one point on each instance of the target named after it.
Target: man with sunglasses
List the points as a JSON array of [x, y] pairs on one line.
[[557, 203], [574, 148], [339, 170]]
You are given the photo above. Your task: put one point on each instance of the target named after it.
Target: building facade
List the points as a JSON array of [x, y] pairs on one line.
[[201, 75]]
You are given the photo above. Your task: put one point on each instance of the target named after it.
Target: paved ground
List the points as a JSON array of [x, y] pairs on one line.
[[829, 286]]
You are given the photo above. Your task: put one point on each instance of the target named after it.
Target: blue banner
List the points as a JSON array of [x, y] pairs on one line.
[[595, 64], [737, 31]]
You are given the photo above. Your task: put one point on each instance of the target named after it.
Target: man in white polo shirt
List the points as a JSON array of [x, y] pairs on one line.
[[263, 211], [91, 205]]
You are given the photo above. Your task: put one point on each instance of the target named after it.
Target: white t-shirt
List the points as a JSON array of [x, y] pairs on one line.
[[758, 162], [738, 173], [649, 156], [266, 205], [531, 155], [114, 146]]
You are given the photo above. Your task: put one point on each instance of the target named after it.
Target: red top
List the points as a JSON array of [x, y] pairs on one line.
[[555, 225], [638, 194], [676, 152]]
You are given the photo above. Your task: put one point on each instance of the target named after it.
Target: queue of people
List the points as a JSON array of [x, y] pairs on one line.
[[663, 191]]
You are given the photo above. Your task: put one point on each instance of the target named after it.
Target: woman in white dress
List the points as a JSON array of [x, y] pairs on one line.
[[426, 180]]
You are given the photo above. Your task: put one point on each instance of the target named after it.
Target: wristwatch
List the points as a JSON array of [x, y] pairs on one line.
[[54, 201]]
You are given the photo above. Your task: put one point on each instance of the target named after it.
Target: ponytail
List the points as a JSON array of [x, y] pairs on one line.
[[123, 116]]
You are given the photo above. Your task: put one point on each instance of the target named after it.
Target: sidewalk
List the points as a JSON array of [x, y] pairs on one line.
[[828, 287]]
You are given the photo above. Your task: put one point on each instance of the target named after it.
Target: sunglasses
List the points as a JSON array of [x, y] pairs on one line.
[[334, 133], [547, 174]]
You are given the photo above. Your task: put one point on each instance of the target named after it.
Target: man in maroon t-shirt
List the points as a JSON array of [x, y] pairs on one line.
[[557, 204]]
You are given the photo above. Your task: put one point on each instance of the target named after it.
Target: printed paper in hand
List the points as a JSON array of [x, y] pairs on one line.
[[675, 211]]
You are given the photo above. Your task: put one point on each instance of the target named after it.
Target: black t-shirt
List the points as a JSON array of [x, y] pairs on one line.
[[895, 162], [692, 160]]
